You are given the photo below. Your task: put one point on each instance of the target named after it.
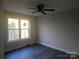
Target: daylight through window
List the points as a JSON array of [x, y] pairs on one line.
[[18, 29]]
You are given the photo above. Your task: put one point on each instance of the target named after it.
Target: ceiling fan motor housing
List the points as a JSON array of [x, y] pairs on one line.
[[40, 7]]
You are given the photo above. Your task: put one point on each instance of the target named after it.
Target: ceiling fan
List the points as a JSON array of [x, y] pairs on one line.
[[40, 8]]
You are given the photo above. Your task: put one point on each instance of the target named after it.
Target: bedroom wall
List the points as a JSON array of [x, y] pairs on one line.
[[1, 30], [18, 44], [60, 31]]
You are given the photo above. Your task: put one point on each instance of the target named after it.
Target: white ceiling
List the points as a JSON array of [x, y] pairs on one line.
[[22, 6]]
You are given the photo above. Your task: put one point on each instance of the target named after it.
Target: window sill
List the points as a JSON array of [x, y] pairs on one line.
[[23, 39]]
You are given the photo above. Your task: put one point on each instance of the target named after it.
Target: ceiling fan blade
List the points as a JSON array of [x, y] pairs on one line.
[[34, 12], [32, 8], [49, 9], [43, 12]]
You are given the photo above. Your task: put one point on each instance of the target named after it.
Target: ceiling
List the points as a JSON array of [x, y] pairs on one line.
[[22, 6]]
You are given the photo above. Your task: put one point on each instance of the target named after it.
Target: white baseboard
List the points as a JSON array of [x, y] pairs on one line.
[[54, 47], [17, 47], [57, 48]]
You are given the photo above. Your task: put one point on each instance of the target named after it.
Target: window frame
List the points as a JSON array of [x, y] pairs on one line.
[[29, 33]]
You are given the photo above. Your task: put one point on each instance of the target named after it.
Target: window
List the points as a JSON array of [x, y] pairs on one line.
[[18, 29]]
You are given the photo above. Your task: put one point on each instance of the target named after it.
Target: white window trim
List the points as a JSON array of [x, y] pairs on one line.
[[29, 31]]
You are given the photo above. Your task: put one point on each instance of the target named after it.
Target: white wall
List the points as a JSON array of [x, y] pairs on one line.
[[1, 31], [60, 31]]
